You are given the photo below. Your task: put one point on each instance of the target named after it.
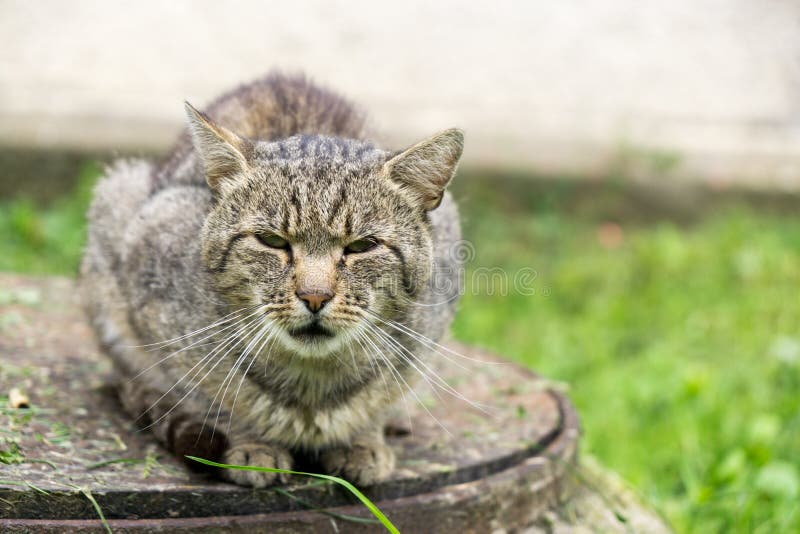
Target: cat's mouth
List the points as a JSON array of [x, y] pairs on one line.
[[311, 332]]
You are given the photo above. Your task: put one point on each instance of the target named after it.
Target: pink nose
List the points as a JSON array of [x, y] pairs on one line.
[[316, 300]]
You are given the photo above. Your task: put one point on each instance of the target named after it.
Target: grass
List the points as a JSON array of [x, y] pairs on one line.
[[681, 346], [46, 241], [680, 342], [328, 478], [95, 505]]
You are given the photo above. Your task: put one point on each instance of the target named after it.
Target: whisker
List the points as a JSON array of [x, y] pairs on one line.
[[229, 377], [407, 300], [357, 337], [372, 365], [268, 333], [382, 339], [428, 341], [395, 374], [408, 387], [438, 380], [376, 369], [231, 342], [219, 322], [193, 345], [232, 374], [269, 352]]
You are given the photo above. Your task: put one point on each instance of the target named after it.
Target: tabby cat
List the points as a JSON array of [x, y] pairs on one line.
[[274, 285]]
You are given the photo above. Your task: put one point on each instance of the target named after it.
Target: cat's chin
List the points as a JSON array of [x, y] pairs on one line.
[[312, 342]]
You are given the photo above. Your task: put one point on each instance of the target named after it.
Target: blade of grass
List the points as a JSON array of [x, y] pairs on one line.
[[105, 463], [24, 483], [355, 491], [91, 498], [88, 495], [314, 508], [41, 461]]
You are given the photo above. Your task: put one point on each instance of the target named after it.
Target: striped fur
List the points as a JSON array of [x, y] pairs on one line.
[[177, 247]]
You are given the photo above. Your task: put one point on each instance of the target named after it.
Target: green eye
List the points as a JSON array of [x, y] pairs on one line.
[[361, 245], [273, 241]]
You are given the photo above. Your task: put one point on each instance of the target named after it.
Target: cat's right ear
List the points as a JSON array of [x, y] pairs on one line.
[[224, 154], [425, 169]]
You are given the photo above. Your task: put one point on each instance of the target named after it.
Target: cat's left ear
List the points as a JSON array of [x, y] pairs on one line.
[[425, 169], [224, 153]]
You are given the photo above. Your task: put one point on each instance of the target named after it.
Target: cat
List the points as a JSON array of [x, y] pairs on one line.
[[274, 285]]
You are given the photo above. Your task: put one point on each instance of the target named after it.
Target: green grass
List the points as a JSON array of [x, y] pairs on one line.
[[46, 241], [388, 525], [681, 347], [681, 344]]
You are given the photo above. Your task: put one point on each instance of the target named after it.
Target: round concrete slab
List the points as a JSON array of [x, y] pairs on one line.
[[458, 466]]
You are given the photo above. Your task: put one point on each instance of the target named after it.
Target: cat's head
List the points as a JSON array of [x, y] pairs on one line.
[[325, 234]]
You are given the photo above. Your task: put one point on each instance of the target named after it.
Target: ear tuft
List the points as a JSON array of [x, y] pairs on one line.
[[223, 153], [425, 169]]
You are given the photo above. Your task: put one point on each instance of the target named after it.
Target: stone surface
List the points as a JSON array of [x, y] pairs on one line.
[[697, 89], [468, 471]]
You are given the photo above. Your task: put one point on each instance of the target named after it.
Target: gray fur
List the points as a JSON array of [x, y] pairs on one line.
[[177, 247]]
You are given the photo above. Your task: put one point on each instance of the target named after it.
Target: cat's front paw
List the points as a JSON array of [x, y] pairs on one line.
[[363, 463], [256, 455]]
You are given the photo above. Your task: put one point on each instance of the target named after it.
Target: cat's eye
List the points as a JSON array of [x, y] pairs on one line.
[[273, 241], [361, 245]]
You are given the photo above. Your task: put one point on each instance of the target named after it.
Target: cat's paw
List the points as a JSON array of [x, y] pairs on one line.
[[256, 455], [364, 463]]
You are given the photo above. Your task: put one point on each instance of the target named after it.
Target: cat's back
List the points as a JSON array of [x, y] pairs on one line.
[[273, 107]]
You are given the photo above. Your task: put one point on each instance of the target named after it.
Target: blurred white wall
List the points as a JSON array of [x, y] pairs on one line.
[[567, 86]]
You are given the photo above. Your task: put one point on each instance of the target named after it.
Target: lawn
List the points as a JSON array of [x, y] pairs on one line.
[[679, 342]]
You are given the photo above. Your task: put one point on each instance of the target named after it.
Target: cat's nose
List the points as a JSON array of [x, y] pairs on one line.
[[315, 300]]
